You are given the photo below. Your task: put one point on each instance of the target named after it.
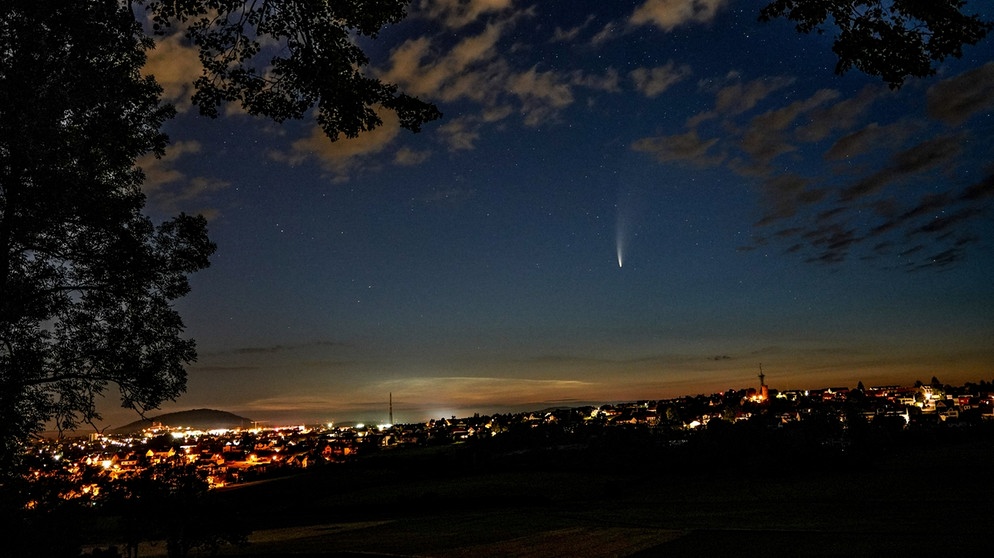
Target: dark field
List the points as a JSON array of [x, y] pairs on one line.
[[450, 502]]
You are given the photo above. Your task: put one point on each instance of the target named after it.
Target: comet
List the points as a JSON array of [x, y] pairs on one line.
[[619, 236]]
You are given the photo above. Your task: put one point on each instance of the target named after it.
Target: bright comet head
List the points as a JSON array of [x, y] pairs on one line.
[[621, 247], [619, 237]]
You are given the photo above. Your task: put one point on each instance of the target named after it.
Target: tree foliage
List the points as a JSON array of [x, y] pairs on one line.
[[281, 58], [33, 508], [891, 39], [86, 280], [172, 503]]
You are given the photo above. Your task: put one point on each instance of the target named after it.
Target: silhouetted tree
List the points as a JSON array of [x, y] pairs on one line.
[[172, 503], [86, 280], [892, 39], [858, 394], [38, 515], [671, 419]]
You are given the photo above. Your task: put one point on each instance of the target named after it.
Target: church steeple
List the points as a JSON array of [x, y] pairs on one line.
[[764, 391]]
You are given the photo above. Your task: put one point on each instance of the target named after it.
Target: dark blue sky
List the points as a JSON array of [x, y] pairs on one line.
[[765, 211]]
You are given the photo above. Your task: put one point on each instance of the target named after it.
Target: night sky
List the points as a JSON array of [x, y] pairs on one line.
[[624, 200]]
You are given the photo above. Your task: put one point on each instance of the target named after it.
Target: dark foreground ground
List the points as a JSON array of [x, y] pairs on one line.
[[450, 502]]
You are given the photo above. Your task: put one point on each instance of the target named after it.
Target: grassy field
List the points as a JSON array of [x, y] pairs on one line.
[[913, 502]]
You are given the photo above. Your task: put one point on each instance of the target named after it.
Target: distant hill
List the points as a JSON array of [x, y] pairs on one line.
[[201, 419]]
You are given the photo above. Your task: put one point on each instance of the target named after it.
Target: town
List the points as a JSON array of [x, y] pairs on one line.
[[231, 457]]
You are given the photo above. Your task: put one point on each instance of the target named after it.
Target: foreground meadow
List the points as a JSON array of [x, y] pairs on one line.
[[454, 502]]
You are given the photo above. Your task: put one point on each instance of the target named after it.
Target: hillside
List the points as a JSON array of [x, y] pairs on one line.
[[201, 419]]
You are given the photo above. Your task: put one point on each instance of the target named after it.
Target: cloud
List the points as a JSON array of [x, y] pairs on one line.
[[608, 81], [939, 260], [981, 189], [344, 156], [670, 14], [287, 403], [842, 116], [653, 81], [472, 66], [169, 189], [929, 204], [407, 157], [459, 73], [160, 171], [686, 148], [274, 349], [737, 98], [918, 158], [569, 35], [495, 113], [900, 182], [785, 195], [956, 99], [608, 32], [870, 138], [460, 133], [831, 241], [765, 139], [741, 97], [945, 221], [541, 94], [175, 65], [459, 13]]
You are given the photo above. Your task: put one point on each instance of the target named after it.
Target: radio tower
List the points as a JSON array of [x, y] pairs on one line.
[[391, 407]]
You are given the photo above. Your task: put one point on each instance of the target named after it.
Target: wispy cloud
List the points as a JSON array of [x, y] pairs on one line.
[[670, 14], [682, 148], [421, 68], [651, 82], [956, 99], [733, 97], [407, 157], [275, 349], [341, 158], [175, 64], [868, 139], [827, 213], [461, 133], [915, 159], [767, 137], [459, 13], [784, 195], [170, 190], [571, 34], [541, 94]]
